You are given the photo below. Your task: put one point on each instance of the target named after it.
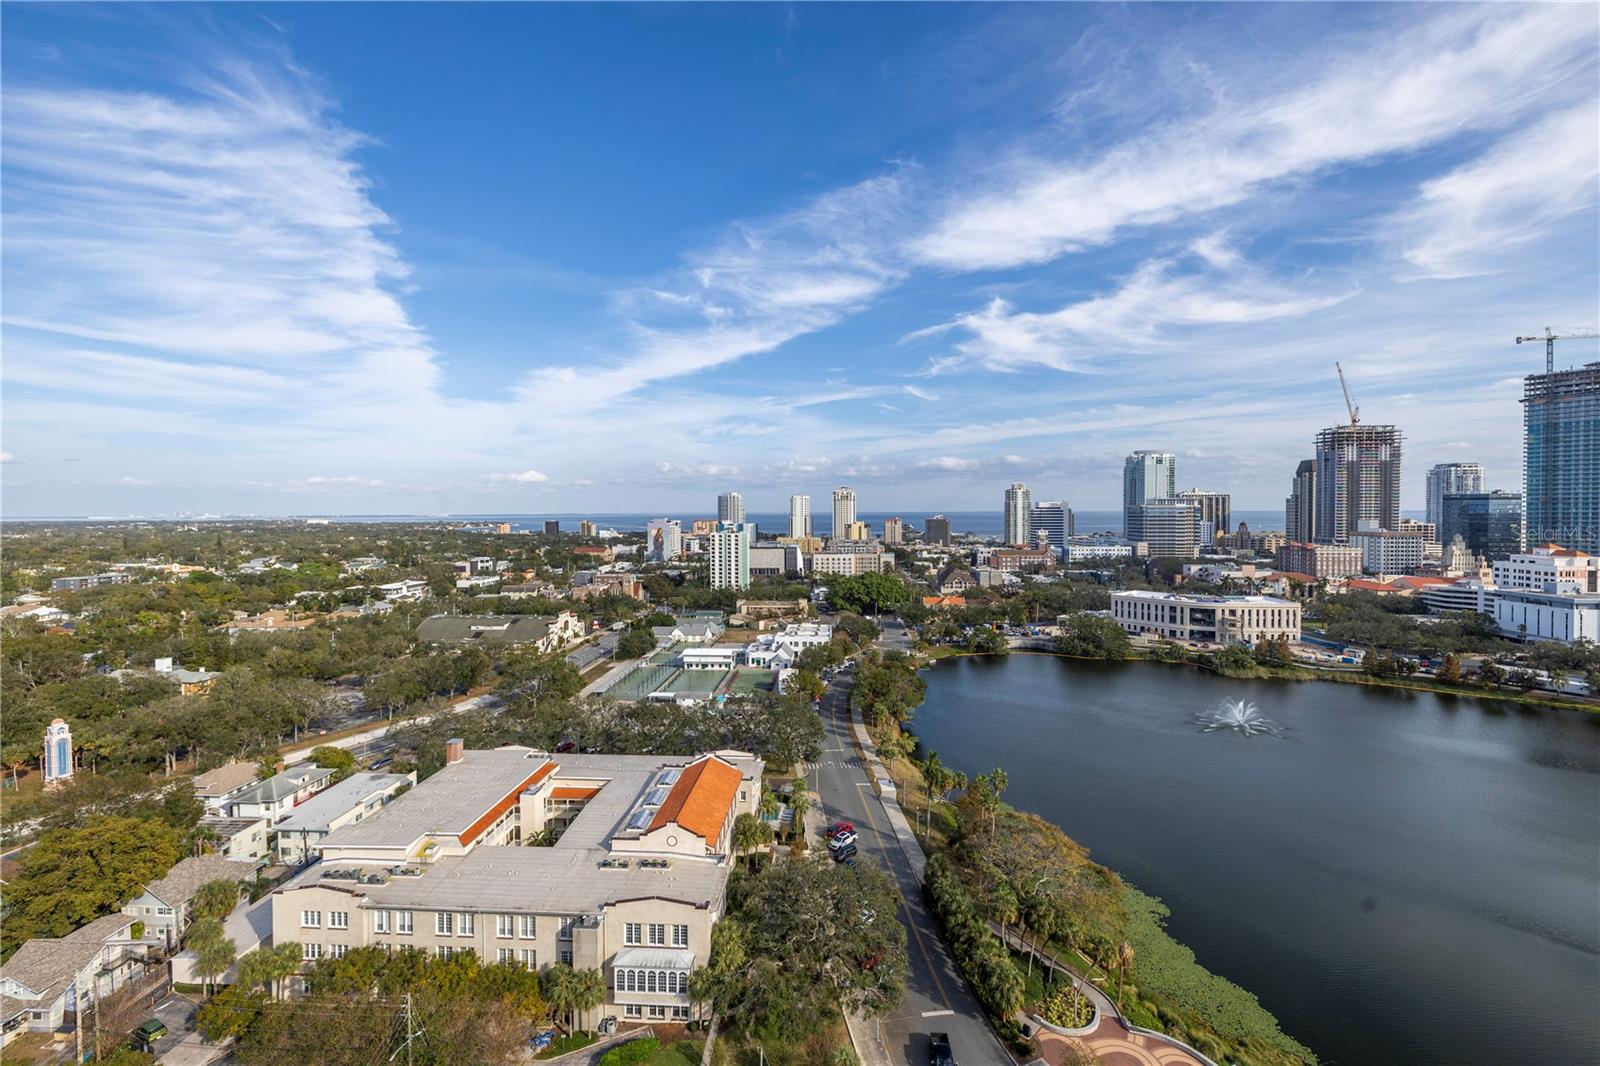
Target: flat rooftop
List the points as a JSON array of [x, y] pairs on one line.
[[449, 802], [315, 813], [1179, 597]]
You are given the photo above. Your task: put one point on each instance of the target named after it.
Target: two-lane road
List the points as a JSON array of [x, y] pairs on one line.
[[937, 998]]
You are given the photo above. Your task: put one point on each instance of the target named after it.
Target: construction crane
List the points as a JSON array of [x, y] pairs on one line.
[[1355, 411], [1562, 333]]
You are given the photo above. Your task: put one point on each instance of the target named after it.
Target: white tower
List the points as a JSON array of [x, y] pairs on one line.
[[57, 752]]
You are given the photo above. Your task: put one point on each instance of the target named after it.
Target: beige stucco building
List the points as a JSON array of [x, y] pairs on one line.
[[608, 862], [1208, 619]]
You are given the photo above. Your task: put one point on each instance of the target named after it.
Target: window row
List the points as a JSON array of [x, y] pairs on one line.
[[313, 919], [313, 952], [657, 1012], [633, 934], [630, 980]]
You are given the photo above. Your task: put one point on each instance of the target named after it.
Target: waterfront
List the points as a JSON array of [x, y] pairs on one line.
[[1398, 876]]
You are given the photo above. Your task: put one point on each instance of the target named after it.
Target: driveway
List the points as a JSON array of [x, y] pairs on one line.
[[937, 998]]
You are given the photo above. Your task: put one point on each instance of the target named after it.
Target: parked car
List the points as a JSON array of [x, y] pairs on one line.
[[939, 1053], [843, 840], [148, 1033], [836, 828], [845, 853]]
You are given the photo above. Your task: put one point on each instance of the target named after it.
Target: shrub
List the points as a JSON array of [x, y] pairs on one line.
[[631, 1053]]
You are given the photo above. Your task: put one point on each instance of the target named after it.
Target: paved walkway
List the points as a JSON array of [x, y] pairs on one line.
[[1113, 1040]]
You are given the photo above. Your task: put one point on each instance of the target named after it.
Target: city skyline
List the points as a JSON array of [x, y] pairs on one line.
[[927, 252]]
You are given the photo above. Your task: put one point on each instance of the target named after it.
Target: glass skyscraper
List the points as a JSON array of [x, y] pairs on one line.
[[1561, 457], [1489, 522]]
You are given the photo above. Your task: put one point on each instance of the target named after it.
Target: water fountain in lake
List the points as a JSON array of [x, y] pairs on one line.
[[1241, 716]]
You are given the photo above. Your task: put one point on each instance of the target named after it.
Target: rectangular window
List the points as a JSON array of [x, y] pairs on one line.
[[311, 952], [566, 956], [658, 934], [530, 927], [402, 923], [657, 1011], [465, 924], [445, 951], [311, 919], [680, 1014], [632, 1010], [444, 923], [505, 926], [507, 955], [339, 950], [680, 936], [529, 959], [632, 933], [565, 932], [338, 919], [380, 921]]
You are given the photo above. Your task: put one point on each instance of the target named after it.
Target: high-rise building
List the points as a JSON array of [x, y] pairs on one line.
[[893, 531], [663, 538], [844, 510], [587, 528], [1357, 481], [1490, 523], [1300, 509], [1018, 514], [728, 551], [936, 530], [1170, 528], [1445, 478], [1054, 520], [800, 516], [57, 752], [856, 530], [1216, 512], [1561, 457], [730, 507], [552, 525], [1146, 477]]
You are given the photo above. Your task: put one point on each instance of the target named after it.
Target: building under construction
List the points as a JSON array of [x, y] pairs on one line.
[[1561, 457]]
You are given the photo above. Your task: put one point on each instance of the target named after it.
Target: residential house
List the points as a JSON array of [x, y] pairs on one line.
[[689, 631], [357, 797], [166, 906], [48, 976], [955, 580], [215, 788], [240, 838], [279, 794]]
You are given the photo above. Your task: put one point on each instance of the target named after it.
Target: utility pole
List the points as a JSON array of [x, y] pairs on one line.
[[77, 1015], [411, 1034]]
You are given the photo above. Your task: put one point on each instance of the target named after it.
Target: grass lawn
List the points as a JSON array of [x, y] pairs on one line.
[[570, 1042], [683, 1053]]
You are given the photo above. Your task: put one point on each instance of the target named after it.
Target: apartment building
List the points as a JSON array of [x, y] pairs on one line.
[[842, 563], [636, 852], [1320, 560], [359, 796], [545, 634], [1549, 568], [1210, 619]]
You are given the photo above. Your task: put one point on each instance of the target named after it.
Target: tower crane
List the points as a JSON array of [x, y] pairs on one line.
[[1562, 333], [1351, 406]]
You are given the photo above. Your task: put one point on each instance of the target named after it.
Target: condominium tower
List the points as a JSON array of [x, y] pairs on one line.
[[893, 531], [728, 550], [663, 538], [1018, 514], [936, 530], [1146, 477], [1357, 481], [844, 510], [730, 507], [1561, 457], [800, 516], [1216, 511], [1300, 509], [1052, 519], [1445, 478]]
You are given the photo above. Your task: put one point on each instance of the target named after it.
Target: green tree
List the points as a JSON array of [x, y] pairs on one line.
[[73, 876], [941, 780], [341, 760], [1089, 636], [635, 644], [1450, 670], [868, 592], [750, 833], [216, 899]]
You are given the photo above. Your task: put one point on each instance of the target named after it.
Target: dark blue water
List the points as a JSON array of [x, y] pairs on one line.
[[1400, 878]]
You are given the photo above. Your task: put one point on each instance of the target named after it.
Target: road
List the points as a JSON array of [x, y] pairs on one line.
[[937, 998]]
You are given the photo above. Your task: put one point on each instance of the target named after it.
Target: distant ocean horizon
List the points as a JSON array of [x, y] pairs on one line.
[[977, 523]]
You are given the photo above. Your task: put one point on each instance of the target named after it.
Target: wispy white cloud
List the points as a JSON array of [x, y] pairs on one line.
[[523, 477], [1526, 186], [1478, 69]]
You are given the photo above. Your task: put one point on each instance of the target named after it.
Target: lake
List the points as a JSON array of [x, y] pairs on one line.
[[1398, 876]]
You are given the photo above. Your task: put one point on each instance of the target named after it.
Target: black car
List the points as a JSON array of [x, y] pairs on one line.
[[939, 1053], [845, 853]]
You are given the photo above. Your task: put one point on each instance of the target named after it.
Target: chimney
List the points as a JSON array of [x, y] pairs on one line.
[[454, 749]]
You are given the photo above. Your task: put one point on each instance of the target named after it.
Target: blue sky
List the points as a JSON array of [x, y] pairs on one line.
[[399, 258]]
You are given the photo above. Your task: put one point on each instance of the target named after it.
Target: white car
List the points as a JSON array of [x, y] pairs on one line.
[[842, 840]]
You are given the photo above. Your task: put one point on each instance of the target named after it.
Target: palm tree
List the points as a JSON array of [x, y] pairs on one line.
[[749, 833], [1124, 960], [998, 780]]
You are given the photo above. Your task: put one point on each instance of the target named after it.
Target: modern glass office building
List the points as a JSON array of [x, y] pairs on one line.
[[1561, 457], [1490, 523]]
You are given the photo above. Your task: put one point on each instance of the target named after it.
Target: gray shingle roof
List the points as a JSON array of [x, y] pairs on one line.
[[281, 786], [47, 964], [185, 879], [224, 779]]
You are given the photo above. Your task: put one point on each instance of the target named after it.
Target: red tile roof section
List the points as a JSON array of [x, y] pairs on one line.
[[573, 792], [510, 800], [700, 799]]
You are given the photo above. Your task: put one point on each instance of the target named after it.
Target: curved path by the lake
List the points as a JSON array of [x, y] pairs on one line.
[[1400, 877]]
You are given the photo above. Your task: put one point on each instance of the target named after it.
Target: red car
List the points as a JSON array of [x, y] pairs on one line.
[[839, 827]]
